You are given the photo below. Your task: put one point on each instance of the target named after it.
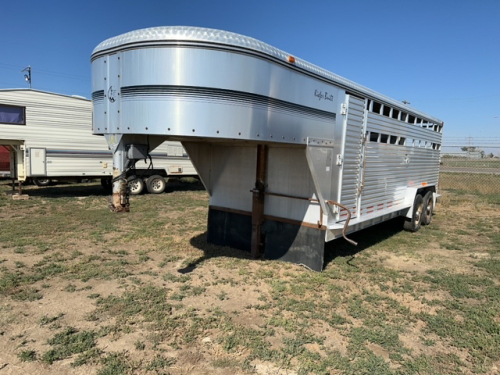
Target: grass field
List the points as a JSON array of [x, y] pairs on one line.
[[86, 291]]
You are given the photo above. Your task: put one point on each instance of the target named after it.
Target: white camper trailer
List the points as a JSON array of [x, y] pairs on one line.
[[292, 155], [50, 138]]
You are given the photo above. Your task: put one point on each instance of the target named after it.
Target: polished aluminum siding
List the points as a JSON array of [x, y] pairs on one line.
[[210, 93], [183, 35]]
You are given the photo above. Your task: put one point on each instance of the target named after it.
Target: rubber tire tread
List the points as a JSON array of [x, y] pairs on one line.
[[410, 225], [38, 183], [426, 220]]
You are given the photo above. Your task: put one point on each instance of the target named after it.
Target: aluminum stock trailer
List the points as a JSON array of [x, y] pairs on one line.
[[50, 138], [291, 155]]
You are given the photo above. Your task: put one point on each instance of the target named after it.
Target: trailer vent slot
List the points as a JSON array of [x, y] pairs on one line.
[[374, 137], [376, 107]]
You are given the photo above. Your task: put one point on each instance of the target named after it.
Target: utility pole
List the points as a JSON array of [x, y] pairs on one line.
[[27, 77]]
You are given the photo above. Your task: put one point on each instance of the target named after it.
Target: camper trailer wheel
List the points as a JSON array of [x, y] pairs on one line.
[[42, 181], [156, 184], [136, 186], [413, 224], [428, 208]]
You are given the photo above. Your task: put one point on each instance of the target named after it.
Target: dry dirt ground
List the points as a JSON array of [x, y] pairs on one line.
[[85, 291]]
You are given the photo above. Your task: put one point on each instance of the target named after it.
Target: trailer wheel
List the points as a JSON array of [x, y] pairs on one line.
[[136, 186], [428, 208], [42, 181], [413, 224], [156, 184]]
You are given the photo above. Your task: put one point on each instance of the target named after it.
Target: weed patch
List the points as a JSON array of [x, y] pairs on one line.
[[67, 343]]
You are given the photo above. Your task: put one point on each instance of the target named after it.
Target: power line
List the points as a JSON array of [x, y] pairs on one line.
[[464, 98], [47, 72]]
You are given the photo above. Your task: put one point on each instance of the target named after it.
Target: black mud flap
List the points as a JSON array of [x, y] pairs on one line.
[[229, 229], [294, 243], [284, 241]]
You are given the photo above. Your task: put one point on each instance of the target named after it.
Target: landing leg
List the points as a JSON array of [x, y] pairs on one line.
[[120, 198], [258, 201]]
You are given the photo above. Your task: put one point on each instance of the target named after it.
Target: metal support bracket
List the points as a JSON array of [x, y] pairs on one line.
[[340, 159], [343, 110], [258, 201]]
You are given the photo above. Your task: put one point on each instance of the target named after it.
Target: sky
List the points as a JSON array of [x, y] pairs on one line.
[[443, 56]]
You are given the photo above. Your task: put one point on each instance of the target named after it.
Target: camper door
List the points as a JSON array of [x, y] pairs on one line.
[[38, 165]]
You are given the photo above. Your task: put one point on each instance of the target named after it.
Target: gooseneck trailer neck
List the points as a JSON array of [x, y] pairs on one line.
[[291, 154]]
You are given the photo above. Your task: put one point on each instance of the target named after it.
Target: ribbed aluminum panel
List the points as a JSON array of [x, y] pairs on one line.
[[387, 175], [352, 152], [183, 34], [385, 125], [391, 169]]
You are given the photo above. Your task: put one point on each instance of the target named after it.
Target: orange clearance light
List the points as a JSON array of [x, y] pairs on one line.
[[424, 183], [291, 59]]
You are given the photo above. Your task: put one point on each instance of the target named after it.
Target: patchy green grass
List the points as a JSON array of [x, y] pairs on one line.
[[144, 293], [68, 342], [27, 356]]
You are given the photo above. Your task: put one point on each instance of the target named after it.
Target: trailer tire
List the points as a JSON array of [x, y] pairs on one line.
[[156, 184], [414, 224], [428, 208], [42, 181], [136, 186]]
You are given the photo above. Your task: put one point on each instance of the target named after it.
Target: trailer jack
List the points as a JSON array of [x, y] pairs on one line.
[[120, 198]]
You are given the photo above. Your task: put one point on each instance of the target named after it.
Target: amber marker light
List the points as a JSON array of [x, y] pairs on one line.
[[291, 59]]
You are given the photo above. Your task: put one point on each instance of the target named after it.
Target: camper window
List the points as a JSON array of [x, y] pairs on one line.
[[12, 115]]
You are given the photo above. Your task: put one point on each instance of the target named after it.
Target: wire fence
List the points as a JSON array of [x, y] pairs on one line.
[[470, 164]]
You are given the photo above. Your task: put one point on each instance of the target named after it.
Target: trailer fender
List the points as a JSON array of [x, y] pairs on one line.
[[411, 193]]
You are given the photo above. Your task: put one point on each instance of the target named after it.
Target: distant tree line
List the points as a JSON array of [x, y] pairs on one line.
[[477, 151]]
